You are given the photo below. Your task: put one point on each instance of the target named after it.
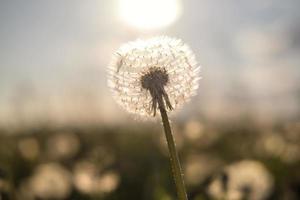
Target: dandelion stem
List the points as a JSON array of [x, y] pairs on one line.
[[174, 159]]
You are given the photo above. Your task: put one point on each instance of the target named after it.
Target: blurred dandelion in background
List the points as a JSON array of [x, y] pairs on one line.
[[51, 181], [89, 180], [84, 175], [277, 145], [63, 145], [247, 179]]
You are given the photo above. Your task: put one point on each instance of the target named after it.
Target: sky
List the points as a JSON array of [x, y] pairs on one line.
[[54, 54]]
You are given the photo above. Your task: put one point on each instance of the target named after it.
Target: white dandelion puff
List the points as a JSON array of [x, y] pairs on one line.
[[144, 71]]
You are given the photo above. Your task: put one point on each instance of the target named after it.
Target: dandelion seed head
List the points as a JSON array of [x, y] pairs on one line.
[[157, 66]]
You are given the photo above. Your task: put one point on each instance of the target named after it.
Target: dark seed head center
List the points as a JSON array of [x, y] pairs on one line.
[[154, 81]]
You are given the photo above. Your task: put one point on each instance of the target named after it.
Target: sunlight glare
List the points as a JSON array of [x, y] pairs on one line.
[[149, 14]]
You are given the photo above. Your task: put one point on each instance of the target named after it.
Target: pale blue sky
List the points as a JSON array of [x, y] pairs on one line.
[[248, 49]]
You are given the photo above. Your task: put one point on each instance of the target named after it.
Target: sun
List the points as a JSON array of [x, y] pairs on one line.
[[149, 14]]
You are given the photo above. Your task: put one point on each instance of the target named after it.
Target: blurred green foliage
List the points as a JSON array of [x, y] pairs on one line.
[[138, 160]]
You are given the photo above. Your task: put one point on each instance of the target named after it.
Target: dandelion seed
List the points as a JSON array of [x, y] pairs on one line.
[[144, 70]]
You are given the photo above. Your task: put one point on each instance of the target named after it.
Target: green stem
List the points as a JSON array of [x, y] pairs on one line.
[[175, 164]]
